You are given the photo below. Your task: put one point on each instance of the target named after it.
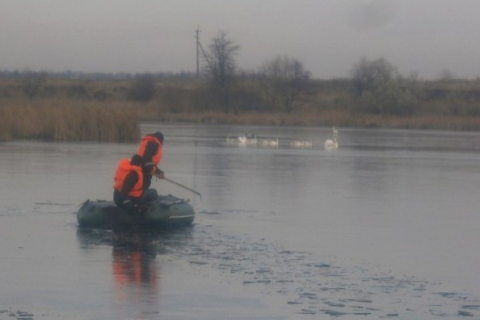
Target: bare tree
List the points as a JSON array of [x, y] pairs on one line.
[[284, 79], [380, 88], [221, 65], [371, 76]]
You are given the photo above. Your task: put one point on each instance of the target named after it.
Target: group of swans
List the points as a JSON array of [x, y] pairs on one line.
[[247, 139], [251, 140], [269, 142], [301, 143], [330, 144]]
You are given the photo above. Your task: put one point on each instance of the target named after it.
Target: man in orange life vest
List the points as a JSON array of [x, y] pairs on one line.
[[151, 150], [129, 189]]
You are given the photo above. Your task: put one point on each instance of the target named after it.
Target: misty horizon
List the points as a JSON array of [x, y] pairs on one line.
[[424, 37]]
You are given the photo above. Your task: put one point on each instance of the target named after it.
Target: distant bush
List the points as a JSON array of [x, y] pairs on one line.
[[32, 82], [77, 91], [100, 95], [142, 88]]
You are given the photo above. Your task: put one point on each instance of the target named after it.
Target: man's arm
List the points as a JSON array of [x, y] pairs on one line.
[[150, 150]]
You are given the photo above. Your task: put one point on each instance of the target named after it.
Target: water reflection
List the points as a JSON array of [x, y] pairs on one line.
[[135, 270]]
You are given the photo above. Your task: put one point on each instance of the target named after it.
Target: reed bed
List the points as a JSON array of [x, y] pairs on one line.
[[328, 118], [76, 120], [67, 120]]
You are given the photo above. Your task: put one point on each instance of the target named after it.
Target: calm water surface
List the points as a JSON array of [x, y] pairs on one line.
[[386, 226]]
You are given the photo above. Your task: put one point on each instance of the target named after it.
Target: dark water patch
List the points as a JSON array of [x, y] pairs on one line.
[[209, 212], [333, 313], [308, 295], [257, 281], [465, 313], [198, 262], [11, 211], [49, 203], [335, 304], [332, 289], [476, 307], [307, 311], [93, 237], [230, 211], [357, 300], [18, 315], [448, 294], [56, 208]]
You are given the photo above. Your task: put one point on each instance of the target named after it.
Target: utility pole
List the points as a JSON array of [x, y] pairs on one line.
[[199, 47], [197, 36]]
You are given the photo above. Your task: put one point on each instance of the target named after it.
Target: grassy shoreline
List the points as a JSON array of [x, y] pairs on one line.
[[328, 119], [103, 111], [79, 122]]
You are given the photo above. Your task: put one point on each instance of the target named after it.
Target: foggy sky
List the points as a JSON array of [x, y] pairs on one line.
[[328, 36]]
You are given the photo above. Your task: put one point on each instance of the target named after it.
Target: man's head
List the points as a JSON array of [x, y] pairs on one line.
[[159, 136], [136, 160]]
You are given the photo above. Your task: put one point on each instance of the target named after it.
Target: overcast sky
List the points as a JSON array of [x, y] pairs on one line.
[[328, 36]]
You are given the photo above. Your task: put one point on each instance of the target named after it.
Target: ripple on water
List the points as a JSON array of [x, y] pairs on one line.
[[316, 285]]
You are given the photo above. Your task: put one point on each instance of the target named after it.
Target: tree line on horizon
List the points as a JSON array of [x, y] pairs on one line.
[[281, 84]]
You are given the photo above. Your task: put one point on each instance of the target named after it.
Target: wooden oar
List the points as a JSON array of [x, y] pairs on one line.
[[180, 185]]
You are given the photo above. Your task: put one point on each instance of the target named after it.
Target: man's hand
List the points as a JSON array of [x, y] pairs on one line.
[[159, 174]]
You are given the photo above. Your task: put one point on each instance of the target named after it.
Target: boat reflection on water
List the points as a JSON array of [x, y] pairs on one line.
[[135, 269], [135, 273]]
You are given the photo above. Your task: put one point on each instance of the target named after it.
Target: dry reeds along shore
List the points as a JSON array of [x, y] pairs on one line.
[[329, 119], [105, 110], [64, 120]]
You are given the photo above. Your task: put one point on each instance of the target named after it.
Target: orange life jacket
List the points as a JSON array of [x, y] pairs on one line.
[[143, 146], [124, 168]]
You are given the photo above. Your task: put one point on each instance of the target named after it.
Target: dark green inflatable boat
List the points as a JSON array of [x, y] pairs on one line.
[[166, 211]]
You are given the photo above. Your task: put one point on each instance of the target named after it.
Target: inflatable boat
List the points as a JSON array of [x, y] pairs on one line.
[[166, 211]]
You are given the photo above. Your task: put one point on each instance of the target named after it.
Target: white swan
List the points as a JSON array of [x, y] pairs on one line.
[[332, 144]]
